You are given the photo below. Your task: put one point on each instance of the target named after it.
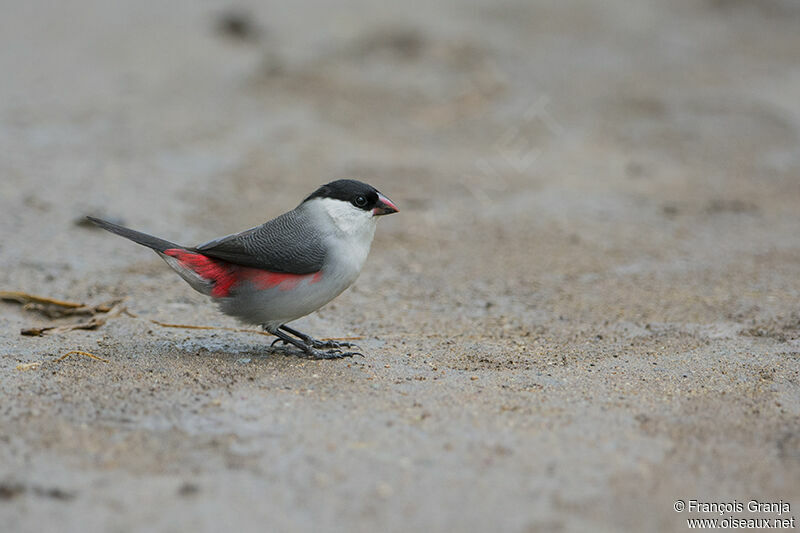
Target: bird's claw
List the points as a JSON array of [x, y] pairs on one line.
[[317, 349], [333, 344], [340, 353], [313, 353]]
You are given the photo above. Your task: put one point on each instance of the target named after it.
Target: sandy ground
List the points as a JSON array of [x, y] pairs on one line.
[[588, 307]]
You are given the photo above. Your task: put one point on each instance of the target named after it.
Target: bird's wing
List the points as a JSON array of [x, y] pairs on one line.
[[286, 244]]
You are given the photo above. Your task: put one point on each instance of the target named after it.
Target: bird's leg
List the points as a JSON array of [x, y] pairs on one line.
[[280, 339], [308, 349], [318, 343]]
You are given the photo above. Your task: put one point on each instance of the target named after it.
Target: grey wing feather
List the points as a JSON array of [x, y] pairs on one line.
[[286, 244]]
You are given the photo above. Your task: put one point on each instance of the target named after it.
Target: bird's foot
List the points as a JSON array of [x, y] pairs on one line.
[[337, 345], [330, 346], [313, 348], [314, 353]]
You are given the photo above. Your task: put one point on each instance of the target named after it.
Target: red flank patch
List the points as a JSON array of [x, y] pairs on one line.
[[227, 275]]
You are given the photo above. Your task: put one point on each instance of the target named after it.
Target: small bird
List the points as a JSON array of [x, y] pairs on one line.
[[285, 268]]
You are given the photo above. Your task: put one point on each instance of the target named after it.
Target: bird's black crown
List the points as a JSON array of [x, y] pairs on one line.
[[359, 194]]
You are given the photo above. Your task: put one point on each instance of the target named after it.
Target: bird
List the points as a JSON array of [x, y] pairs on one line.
[[286, 268]]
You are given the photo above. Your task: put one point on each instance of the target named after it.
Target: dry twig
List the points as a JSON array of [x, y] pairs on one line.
[[53, 308], [24, 298], [29, 366], [93, 323], [79, 352]]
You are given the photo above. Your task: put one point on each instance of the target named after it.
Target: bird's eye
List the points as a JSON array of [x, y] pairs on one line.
[[360, 201]]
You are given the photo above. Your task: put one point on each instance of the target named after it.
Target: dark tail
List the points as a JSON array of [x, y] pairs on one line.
[[159, 245]]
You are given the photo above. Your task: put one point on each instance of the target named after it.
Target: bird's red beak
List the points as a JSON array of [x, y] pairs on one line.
[[384, 206]]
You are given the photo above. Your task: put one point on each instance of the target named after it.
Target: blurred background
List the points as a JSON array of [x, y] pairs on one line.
[[586, 309]]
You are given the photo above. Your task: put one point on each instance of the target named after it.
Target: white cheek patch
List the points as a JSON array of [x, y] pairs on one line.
[[353, 230], [348, 218]]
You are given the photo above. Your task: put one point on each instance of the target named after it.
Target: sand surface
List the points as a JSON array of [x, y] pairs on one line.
[[588, 307]]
